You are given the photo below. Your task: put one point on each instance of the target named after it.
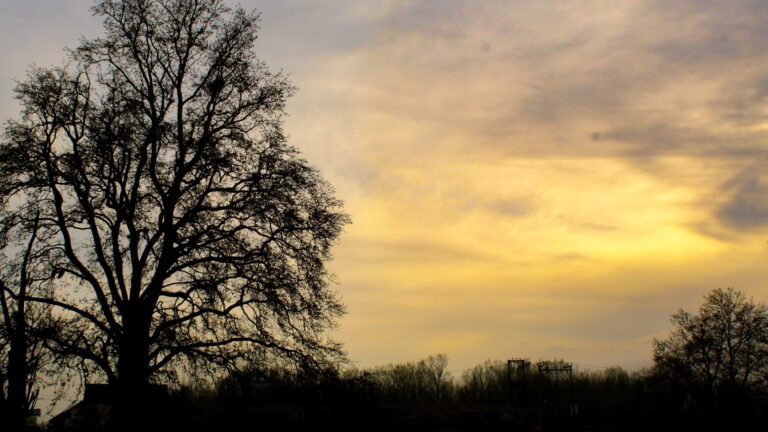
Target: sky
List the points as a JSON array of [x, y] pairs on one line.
[[525, 179]]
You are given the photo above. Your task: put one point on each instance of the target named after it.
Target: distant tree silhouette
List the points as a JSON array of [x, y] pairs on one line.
[[486, 382], [24, 360], [719, 353], [180, 229], [425, 381], [22, 354]]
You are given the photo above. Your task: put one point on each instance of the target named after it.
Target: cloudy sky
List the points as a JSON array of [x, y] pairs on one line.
[[539, 179]]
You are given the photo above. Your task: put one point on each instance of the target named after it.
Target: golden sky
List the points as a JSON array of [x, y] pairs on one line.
[[540, 179]]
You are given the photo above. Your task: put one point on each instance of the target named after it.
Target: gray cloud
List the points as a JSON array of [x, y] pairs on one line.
[[295, 30], [416, 250], [443, 19], [37, 33], [513, 209], [747, 207], [577, 67], [743, 101], [669, 139]]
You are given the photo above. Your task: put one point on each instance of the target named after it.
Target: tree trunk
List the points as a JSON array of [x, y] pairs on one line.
[[17, 384], [18, 371], [130, 404]]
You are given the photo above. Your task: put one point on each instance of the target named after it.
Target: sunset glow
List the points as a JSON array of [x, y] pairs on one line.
[[537, 179]]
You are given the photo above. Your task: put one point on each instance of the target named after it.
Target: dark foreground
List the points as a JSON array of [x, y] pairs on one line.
[[241, 412]]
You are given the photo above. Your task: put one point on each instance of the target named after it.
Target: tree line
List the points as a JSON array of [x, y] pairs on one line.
[[492, 395], [709, 374]]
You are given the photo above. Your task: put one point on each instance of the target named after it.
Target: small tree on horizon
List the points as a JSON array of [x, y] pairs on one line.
[[721, 350]]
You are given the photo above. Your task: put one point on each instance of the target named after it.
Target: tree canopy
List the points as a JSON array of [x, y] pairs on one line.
[[721, 349], [177, 226]]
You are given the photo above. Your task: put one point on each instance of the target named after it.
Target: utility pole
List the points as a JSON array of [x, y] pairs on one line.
[[546, 367], [520, 381]]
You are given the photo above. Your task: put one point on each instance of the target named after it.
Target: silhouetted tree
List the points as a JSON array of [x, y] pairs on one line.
[[485, 382], [425, 381], [720, 353], [181, 229], [23, 358], [437, 375]]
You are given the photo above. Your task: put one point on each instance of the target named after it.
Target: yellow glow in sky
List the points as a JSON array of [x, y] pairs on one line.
[[540, 179]]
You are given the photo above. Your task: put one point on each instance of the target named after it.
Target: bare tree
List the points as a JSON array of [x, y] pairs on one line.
[[722, 348], [425, 381], [23, 357], [180, 228]]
